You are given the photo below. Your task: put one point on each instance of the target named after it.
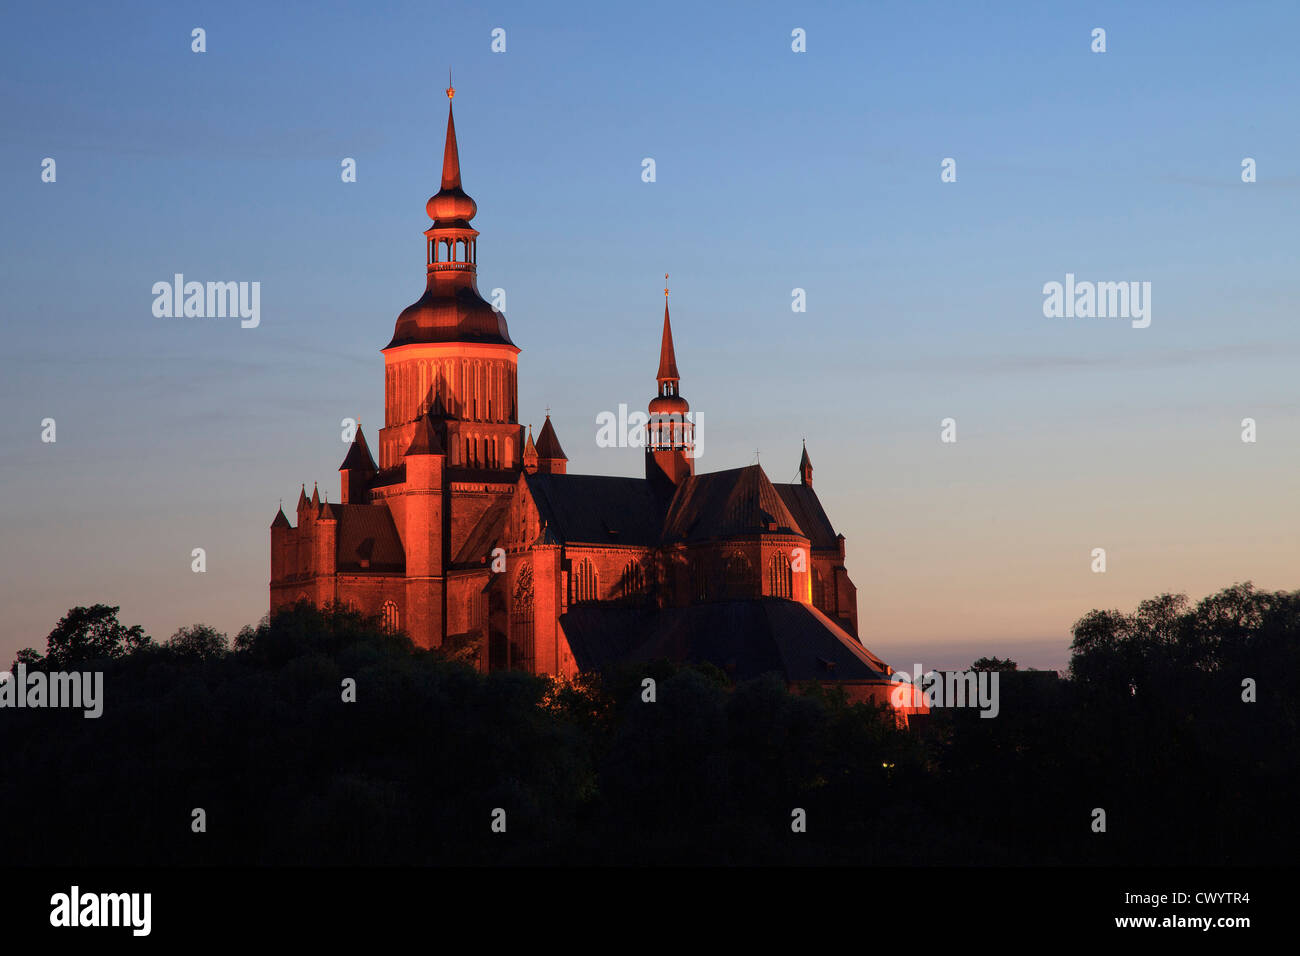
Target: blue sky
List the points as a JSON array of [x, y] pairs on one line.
[[775, 170]]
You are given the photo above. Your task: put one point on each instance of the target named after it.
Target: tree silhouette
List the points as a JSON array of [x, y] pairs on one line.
[[84, 635]]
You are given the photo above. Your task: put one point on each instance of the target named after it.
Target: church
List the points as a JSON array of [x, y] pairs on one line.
[[468, 534]]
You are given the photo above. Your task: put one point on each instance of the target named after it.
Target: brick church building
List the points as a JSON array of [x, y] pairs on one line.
[[468, 533]]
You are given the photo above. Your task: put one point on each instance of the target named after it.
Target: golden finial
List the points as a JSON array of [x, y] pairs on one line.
[[451, 90], [665, 285]]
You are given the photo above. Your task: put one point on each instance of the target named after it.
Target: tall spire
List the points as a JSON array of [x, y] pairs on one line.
[[667, 357], [450, 209], [451, 308], [670, 432], [450, 154]]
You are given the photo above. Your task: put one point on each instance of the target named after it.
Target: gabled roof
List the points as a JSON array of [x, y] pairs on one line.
[[807, 509], [548, 446], [746, 639], [721, 504], [280, 521], [597, 509]]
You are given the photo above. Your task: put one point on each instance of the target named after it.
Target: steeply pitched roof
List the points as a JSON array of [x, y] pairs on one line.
[[367, 533], [726, 503], [486, 534], [807, 510], [746, 639], [358, 456], [667, 356], [450, 154], [548, 446], [280, 521], [425, 441], [596, 509]]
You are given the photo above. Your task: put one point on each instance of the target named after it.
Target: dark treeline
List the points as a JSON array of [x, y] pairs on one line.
[[1150, 727]]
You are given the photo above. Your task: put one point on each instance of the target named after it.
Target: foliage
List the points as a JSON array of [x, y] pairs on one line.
[[1151, 725]]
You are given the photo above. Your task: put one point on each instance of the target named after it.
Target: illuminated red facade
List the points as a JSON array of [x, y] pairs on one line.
[[469, 534]]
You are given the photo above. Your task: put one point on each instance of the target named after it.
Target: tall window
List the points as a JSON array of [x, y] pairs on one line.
[[739, 576], [631, 584], [390, 616], [699, 571], [521, 619], [583, 583], [780, 577]]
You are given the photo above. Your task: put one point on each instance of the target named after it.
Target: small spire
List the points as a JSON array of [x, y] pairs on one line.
[[548, 446], [425, 441]]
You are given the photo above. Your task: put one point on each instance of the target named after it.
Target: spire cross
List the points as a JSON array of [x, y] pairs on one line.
[[665, 285], [451, 90]]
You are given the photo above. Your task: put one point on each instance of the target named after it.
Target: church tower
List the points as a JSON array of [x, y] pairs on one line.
[[451, 358], [670, 436]]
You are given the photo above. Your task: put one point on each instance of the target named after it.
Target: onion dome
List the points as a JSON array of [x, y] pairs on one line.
[[456, 314]]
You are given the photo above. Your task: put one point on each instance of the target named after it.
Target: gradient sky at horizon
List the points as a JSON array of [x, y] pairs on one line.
[[775, 170]]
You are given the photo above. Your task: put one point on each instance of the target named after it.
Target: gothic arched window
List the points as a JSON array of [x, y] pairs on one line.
[[780, 577], [583, 582], [521, 618], [632, 583], [699, 571], [390, 616], [739, 576]]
